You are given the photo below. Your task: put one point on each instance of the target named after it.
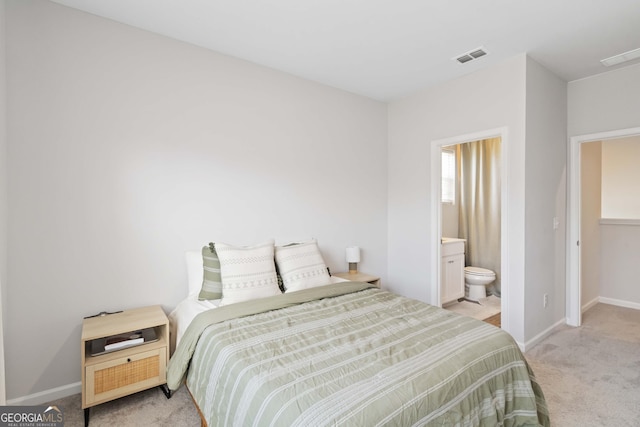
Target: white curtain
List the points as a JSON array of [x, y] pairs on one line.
[[479, 207]]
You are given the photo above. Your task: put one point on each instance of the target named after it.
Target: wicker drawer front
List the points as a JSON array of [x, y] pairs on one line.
[[118, 377], [122, 375]]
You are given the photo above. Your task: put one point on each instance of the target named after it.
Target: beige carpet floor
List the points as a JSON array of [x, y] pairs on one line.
[[590, 377], [147, 408]]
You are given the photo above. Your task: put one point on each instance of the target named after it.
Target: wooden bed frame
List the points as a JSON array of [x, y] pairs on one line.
[[203, 422]]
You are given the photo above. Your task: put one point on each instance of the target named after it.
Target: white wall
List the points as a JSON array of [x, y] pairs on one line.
[[450, 219], [609, 252], [127, 149], [546, 160], [590, 208], [486, 99], [3, 194], [602, 103], [621, 178], [620, 252], [620, 243]]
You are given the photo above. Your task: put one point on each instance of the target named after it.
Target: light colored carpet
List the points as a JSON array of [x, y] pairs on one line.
[[146, 408], [590, 375]]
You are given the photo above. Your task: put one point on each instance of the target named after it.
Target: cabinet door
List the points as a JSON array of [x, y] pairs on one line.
[[452, 272], [120, 377]]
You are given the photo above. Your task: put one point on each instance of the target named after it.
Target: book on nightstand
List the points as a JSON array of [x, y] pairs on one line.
[[121, 341]]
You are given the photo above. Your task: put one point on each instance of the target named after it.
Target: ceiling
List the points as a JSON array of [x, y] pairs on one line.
[[386, 49]]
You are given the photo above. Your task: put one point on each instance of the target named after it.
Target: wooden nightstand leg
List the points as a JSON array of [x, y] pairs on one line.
[[165, 390], [86, 417]]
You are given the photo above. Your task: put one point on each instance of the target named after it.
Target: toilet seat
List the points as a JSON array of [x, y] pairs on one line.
[[478, 271]]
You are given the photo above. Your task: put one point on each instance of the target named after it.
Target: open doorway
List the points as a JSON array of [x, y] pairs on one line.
[[437, 216], [575, 250], [471, 224]]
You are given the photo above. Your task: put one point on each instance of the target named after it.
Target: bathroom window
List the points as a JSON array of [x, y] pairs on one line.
[[448, 175]]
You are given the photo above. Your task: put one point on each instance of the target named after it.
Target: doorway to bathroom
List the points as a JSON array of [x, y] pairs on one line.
[[469, 205]]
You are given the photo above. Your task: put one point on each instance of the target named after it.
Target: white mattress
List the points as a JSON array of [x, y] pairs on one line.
[[190, 307]]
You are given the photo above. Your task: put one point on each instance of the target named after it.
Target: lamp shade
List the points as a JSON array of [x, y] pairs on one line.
[[353, 254]]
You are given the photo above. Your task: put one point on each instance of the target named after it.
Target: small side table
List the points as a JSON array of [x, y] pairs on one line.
[[359, 277], [119, 373]]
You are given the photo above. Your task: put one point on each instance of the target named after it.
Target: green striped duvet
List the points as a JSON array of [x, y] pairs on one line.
[[347, 355]]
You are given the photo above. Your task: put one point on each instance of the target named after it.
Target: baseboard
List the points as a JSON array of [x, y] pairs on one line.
[[619, 303], [590, 304], [542, 335], [47, 395]]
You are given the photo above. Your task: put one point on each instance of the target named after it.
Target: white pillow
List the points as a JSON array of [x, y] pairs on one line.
[[194, 271], [301, 266], [247, 272]]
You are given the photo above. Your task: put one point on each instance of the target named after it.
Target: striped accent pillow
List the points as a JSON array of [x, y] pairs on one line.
[[211, 280], [301, 266], [247, 272]]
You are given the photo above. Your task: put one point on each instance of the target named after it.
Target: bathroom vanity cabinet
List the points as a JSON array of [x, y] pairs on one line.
[[452, 270]]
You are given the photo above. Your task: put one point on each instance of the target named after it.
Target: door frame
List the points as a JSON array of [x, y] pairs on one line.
[[573, 309], [436, 213]]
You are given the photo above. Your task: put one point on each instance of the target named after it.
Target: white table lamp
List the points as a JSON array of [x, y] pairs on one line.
[[353, 258]]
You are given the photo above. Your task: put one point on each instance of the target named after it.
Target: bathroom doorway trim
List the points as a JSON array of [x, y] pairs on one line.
[[573, 309], [436, 214]]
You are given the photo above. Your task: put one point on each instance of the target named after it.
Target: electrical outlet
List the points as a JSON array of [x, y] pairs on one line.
[[545, 300]]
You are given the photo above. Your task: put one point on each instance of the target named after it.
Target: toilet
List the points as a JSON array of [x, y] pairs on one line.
[[476, 280]]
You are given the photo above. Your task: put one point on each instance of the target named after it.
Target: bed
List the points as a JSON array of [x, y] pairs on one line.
[[348, 353]]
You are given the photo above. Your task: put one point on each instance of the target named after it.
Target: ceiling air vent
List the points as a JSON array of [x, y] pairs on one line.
[[623, 57], [471, 55]]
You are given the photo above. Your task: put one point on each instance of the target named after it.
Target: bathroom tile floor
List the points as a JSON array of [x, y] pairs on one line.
[[486, 308]]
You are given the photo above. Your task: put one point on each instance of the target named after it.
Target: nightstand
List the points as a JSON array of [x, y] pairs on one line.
[[359, 277], [120, 372]]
